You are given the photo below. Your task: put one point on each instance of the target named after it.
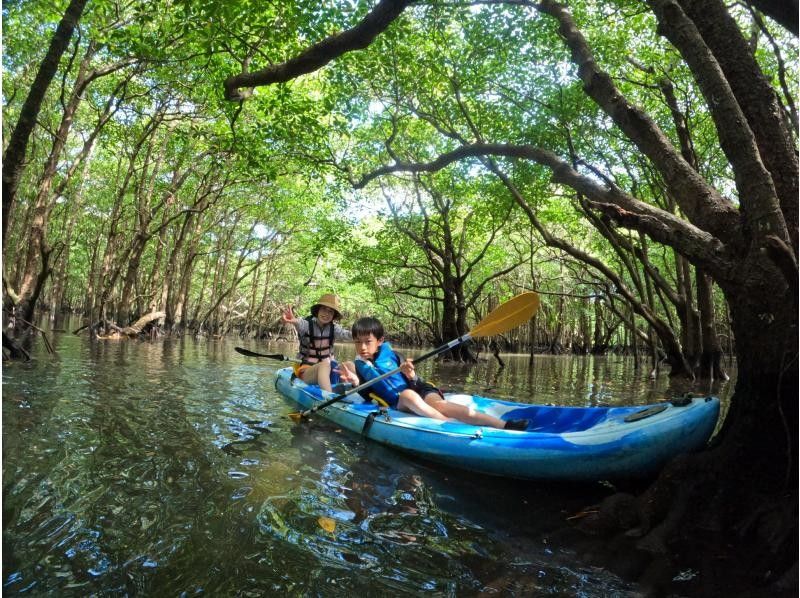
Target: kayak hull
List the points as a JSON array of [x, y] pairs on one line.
[[561, 443]]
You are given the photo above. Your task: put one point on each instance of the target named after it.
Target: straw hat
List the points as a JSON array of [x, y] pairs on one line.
[[328, 300]]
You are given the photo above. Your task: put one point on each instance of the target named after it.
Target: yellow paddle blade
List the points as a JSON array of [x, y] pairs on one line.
[[512, 313]]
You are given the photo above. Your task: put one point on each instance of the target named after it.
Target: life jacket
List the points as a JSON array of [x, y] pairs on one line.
[[385, 360], [316, 344]]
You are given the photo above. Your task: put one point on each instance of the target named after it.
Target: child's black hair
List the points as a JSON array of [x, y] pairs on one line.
[[367, 326]]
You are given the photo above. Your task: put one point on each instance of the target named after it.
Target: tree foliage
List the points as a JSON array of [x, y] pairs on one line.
[[633, 162]]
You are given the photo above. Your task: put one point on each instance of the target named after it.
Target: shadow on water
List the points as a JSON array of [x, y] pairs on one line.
[[171, 467]]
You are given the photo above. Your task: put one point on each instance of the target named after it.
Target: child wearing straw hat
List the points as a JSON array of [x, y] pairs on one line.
[[317, 334]]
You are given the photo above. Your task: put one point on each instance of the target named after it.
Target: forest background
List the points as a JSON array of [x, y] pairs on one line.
[[635, 163]]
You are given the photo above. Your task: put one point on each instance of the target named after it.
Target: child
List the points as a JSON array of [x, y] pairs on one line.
[[405, 390], [317, 334]]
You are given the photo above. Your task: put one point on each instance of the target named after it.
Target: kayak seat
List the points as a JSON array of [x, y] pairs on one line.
[[557, 420]]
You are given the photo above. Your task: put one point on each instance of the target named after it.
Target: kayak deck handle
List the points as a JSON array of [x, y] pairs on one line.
[[644, 413]]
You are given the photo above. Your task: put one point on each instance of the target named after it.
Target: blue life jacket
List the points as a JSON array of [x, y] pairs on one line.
[[385, 360]]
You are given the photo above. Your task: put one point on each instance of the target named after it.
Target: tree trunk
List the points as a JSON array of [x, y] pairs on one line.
[[15, 153], [597, 342], [144, 215], [171, 292], [250, 321], [43, 203], [689, 316], [194, 315], [71, 219], [454, 320], [765, 325], [747, 484], [711, 355], [584, 327]]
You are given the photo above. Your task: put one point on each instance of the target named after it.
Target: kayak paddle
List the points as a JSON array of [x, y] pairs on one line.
[[277, 356], [512, 313]]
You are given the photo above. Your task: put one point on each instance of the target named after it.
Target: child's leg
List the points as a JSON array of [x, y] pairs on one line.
[[461, 412], [319, 373], [411, 402]]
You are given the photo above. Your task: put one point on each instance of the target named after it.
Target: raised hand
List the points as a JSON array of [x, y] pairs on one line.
[[288, 315], [346, 376]]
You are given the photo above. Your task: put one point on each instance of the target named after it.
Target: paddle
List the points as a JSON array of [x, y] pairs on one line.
[[277, 356], [510, 314]]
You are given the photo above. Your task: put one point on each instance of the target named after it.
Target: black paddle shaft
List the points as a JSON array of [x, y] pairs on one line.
[[277, 356]]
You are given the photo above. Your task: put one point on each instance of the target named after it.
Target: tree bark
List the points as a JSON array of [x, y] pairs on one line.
[[43, 203], [71, 218], [760, 105], [711, 356], [14, 155], [784, 12]]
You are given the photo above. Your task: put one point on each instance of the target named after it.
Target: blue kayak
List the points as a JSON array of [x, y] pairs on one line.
[[560, 443]]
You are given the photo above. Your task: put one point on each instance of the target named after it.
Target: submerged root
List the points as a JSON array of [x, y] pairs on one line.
[[698, 517], [618, 512]]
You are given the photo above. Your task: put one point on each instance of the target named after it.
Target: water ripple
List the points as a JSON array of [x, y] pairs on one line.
[[170, 468]]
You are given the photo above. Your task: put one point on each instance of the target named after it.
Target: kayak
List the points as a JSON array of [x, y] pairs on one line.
[[560, 443]]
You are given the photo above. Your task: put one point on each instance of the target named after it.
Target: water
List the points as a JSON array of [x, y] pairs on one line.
[[170, 468]]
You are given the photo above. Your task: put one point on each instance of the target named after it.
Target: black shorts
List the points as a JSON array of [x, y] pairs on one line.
[[424, 388]]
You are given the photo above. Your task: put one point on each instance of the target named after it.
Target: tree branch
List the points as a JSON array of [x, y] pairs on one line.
[[761, 148], [696, 244], [784, 12], [702, 204], [321, 53], [734, 127]]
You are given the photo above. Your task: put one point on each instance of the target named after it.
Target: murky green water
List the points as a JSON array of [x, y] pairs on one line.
[[170, 468]]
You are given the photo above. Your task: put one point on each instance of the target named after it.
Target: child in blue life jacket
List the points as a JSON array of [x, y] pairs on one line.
[[317, 334], [405, 390]]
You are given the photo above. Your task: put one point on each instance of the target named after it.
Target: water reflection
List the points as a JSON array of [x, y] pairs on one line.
[[568, 380], [170, 467], [405, 527]]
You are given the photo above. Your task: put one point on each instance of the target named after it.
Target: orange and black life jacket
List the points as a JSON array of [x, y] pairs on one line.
[[316, 344]]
